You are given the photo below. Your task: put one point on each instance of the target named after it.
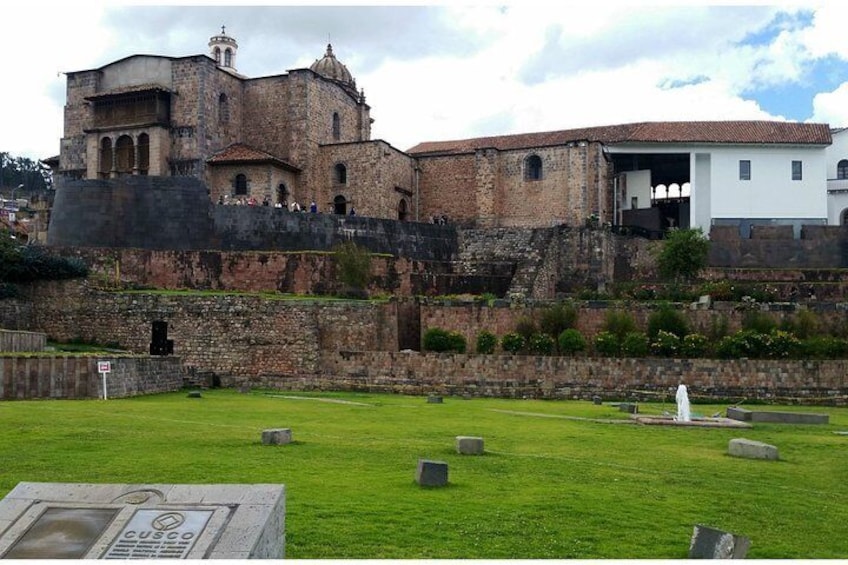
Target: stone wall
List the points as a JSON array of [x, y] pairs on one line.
[[22, 341], [175, 213], [291, 273], [64, 377], [234, 337], [819, 247], [507, 376]]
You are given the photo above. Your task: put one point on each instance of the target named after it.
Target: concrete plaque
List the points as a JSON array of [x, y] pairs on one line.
[[159, 521], [159, 534]]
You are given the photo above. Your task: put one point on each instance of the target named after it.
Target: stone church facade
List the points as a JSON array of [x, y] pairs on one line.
[[305, 135], [300, 136]]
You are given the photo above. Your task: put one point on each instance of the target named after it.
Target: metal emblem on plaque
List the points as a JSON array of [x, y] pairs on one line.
[[159, 534]]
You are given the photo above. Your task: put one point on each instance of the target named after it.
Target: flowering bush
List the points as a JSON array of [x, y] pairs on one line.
[[635, 344], [665, 344], [606, 343], [512, 342]]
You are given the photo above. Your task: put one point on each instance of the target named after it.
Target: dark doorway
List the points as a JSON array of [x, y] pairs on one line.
[[159, 342], [340, 205]]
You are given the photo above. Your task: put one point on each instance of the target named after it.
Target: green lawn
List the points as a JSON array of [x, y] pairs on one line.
[[547, 487]]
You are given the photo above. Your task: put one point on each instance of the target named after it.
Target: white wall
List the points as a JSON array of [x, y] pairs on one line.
[[700, 192], [638, 185], [836, 151], [771, 193]]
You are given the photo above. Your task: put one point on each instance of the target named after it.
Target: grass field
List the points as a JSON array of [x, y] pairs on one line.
[[553, 483]]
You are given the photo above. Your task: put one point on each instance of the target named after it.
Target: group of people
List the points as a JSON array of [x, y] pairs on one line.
[[440, 220], [295, 206]]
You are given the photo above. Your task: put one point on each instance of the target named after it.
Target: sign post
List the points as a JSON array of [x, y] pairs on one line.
[[104, 367]]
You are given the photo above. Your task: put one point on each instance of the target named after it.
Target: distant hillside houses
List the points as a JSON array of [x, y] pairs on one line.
[[304, 136]]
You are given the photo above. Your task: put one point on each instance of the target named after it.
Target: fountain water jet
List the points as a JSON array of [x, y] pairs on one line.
[[682, 404]]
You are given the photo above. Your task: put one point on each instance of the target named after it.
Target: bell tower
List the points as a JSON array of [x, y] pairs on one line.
[[223, 49]]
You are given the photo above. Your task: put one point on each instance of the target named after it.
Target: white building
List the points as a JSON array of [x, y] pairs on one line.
[[837, 178], [737, 173]]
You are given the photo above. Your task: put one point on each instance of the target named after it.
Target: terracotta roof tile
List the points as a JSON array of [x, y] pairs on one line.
[[728, 132], [242, 153]]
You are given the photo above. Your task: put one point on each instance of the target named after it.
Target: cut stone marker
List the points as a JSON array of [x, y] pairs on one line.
[[278, 436], [750, 449], [467, 445], [710, 543], [431, 473]]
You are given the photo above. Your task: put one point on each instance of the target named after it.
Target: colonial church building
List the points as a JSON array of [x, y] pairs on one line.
[[305, 135]]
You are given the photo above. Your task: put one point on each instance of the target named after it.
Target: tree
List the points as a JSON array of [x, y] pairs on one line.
[[683, 254], [353, 268], [22, 171]]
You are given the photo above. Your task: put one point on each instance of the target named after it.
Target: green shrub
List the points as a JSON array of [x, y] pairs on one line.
[[458, 342], [694, 345], [512, 342], [744, 343], [607, 344], [635, 344], [666, 344], [783, 345], [718, 327], [667, 319], [559, 317], [486, 342], [353, 264], [440, 340], [436, 339], [757, 321], [619, 323], [824, 347], [526, 327], [571, 341], [27, 263], [541, 344], [683, 254], [804, 324]]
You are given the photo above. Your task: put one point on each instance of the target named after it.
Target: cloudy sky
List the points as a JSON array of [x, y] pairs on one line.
[[453, 71]]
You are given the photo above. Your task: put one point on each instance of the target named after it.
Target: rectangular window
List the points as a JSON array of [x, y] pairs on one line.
[[745, 170], [796, 170]]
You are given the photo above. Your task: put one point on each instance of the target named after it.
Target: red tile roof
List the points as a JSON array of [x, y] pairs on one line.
[[242, 153], [728, 132]]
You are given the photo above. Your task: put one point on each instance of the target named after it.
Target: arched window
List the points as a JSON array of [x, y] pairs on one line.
[[218, 55], [223, 109], [403, 210], [228, 57], [842, 169], [124, 154], [533, 168], [341, 174], [143, 153], [337, 127], [240, 185], [105, 157], [340, 205]]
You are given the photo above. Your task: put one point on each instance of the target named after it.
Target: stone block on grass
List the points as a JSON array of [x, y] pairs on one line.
[[468, 445], [710, 543], [740, 414], [431, 473], [629, 407], [750, 449], [433, 399], [277, 436]]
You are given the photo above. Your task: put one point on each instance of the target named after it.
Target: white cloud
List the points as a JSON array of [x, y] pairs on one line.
[[832, 107], [447, 74]]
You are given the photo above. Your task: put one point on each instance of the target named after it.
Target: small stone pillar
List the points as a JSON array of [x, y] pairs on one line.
[[431, 473], [751, 449], [278, 436], [709, 543], [629, 407], [597, 400], [194, 394], [467, 445], [434, 399]]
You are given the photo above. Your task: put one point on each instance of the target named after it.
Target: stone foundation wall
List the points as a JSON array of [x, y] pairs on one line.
[[62, 377], [506, 376], [234, 337], [22, 341]]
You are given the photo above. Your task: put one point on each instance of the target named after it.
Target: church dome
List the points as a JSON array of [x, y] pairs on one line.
[[331, 68]]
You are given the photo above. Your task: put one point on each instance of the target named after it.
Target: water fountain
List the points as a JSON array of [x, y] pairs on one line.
[[682, 405]]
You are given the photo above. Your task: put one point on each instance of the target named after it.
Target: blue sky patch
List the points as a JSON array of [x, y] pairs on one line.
[[782, 21], [794, 100]]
